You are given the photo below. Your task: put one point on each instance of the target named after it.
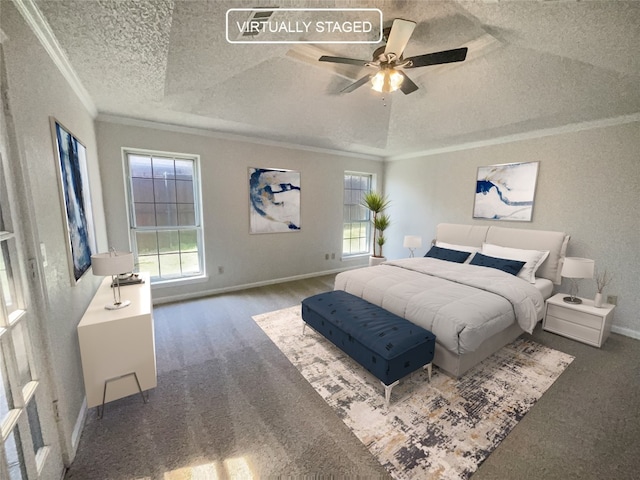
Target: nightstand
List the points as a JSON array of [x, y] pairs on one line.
[[582, 322]]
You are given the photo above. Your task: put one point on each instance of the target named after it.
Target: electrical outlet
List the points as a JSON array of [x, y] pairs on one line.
[[612, 299], [220, 269], [326, 256]]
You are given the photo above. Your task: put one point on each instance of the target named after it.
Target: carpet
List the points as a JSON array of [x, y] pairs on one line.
[[442, 429]]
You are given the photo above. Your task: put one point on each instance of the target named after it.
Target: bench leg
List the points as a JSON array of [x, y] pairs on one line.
[[428, 367], [387, 392]]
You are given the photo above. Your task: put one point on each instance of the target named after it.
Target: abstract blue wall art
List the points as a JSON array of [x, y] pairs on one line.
[[274, 200], [76, 197], [506, 192]]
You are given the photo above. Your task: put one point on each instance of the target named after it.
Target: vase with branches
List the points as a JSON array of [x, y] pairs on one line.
[[375, 202], [602, 280]]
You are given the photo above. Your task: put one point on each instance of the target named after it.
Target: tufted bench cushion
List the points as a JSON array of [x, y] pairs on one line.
[[387, 345]]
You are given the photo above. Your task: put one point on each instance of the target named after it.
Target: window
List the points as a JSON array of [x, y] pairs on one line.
[[356, 237], [165, 219]]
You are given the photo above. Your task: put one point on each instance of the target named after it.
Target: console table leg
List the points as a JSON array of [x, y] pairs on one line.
[[104, 392]]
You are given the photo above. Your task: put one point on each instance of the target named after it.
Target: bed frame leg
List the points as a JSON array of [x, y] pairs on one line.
[[387, 392]]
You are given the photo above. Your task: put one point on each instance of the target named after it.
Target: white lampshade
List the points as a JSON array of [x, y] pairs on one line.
[[412, 241], [112, 263], [575, 267]]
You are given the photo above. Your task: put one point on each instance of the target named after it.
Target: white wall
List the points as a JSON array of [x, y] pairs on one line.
[[36, 91], [247, 259], [588, 186]]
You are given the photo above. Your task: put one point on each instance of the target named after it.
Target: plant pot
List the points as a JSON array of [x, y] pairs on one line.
[[597, 302], [373, 261]]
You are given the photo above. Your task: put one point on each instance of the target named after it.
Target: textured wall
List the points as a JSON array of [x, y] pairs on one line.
[[37, 90], [246, 258], [588, 186]]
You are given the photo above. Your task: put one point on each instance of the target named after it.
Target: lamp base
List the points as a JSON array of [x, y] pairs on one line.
[[116, 306], [573, 300]]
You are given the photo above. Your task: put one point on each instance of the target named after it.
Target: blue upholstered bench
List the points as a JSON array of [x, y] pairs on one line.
[[387, 345]]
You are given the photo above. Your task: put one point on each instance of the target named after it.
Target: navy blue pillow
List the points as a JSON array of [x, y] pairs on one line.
[[447, 254], [509, 266]]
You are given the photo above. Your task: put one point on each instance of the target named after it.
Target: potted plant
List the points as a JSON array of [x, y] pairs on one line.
[[602, 280], [376, 203]]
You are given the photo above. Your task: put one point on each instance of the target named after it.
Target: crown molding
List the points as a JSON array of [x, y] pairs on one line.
[[38, 24], [546, 132], [135, 122]]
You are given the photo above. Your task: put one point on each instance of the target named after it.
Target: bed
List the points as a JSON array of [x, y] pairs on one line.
[[473, 309]]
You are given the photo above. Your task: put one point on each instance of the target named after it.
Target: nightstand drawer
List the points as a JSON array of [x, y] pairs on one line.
[[573, 330], [579, 318]]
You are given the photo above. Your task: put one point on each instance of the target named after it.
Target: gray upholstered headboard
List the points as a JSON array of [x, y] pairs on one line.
[[475, 235]]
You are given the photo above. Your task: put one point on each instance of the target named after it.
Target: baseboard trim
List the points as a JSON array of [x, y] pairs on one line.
[[627, 332], [77, 429], [217, 291]]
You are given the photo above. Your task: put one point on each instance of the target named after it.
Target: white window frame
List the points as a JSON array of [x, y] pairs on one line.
[[199, 227], [365, 221]]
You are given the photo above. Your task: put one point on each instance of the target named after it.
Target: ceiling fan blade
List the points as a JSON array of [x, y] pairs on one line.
[[350, 61], [407, 86], [447, 56], [401, 31], [357, 84]]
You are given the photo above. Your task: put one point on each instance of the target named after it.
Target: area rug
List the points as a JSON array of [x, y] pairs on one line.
[[440, 429]]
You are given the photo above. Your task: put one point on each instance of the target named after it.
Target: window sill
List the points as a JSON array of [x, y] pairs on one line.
[[358, 256], [176, 282]]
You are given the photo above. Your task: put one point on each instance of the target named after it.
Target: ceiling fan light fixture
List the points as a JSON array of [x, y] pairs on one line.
[[386, 80]]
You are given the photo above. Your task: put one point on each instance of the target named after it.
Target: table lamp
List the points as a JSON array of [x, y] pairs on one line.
[[113, 263], [412, 242], [574, 268]]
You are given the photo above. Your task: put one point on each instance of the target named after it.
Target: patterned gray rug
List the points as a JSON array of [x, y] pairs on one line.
[[443, 429]]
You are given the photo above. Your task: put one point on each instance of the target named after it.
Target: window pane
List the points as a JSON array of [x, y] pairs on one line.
[[6, 280], [164, 190], [15, 458], [170, 265], [34, 425], [20, 336], [147, 242], [188, 241], [163, 168], [186, 214], [166, 214], [190, 263], [149, 263], [168, 241], [142, 189], [140, 166], [184, 169], [184, 190], [145, 215], [6, 402]]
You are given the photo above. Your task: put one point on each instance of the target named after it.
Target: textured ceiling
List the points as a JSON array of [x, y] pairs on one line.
[[531, 65]]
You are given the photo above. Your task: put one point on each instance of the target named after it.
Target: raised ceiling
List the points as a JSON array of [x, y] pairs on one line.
[[532, 66]]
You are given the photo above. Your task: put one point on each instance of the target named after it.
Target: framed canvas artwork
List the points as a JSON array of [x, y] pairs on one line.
[[274, 200], [506, 192], [75, 195]]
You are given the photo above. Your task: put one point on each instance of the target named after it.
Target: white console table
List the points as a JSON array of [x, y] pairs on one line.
[[117, 347]]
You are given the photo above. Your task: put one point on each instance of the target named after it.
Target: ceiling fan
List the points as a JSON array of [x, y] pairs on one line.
[[388, 60]]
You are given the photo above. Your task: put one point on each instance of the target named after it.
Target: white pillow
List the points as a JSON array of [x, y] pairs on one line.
[[460, 248], [532, 258]]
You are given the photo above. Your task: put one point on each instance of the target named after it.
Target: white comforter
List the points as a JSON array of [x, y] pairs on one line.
[[461, 304]]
